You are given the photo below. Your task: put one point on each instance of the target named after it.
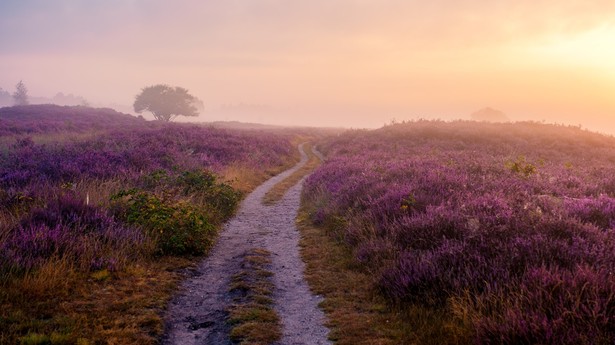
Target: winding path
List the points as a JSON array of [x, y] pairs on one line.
[[197, 314]]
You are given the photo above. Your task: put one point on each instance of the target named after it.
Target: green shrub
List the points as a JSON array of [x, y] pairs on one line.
[[180, 211], [154, 179], [200, 186], [220, 198], [176, 227], [196, 181], [35, 339], [521, 167]]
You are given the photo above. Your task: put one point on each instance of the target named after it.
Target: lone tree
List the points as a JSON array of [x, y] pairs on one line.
[[166, 102], [20, 96]]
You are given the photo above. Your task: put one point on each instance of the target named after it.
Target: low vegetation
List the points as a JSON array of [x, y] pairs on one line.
[[39, 120], [253, 320], [94, 228], [499, 233], [186, 224], [425, 232], [356, 313]]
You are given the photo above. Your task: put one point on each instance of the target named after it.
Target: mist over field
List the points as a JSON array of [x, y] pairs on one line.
[[318, 63]]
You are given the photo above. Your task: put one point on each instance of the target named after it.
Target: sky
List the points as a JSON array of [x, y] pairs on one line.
[[353, 63]]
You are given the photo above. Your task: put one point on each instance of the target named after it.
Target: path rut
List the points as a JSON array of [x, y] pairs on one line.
[[197, 315]]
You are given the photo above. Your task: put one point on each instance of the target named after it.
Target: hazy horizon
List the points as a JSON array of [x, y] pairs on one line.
[[343, 63]]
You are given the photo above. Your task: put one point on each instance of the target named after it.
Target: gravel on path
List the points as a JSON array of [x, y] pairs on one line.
[[197, 315]]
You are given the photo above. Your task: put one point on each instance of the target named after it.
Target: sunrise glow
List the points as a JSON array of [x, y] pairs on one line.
[[346, 63]]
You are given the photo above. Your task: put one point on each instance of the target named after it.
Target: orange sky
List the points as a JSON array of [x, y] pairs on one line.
[[354, 63]]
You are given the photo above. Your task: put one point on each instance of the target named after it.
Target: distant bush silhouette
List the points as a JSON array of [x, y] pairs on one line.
[[489, 115]]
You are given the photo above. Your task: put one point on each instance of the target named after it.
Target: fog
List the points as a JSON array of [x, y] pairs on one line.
[[323, 63]]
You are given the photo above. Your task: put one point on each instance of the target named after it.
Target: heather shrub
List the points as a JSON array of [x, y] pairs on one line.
[[15, 201], [598, 211], [128, 154], [66, 228], [443, 259], [547, 307]]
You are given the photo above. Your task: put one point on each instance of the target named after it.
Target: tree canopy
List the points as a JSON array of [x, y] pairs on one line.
[[166, 102], [20, 96]]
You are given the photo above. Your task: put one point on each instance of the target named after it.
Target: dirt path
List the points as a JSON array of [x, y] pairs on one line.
[[197, 315]]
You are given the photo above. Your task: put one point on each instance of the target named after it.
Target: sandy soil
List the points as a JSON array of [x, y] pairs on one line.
[[197, 314]]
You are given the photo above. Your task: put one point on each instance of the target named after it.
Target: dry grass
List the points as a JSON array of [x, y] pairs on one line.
[[253, 320], [55, 305], [356, 313], [97, 192], [245, 179], [277, 192]]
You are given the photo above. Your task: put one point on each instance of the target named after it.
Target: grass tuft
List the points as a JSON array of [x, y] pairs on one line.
[[253, 320], [101, 275], [95, 308]]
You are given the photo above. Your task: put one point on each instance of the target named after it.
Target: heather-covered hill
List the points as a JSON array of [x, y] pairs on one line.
[[93, 201], [49, 118], [505, 230]]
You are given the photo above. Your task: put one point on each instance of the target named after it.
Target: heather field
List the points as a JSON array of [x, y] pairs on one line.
[[97, 203], [47, 118], [431, 232], [506, 232]]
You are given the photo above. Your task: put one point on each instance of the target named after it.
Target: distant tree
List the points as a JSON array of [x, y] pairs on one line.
[[166, 102], [20, 96]]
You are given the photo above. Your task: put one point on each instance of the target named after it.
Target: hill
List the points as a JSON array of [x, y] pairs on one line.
[[49, 118], [495, 233], [99, 210]]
